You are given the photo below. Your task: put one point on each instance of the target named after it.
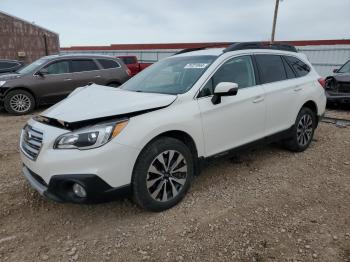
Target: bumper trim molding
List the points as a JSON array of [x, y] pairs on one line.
[[33, 182], [59, 188]]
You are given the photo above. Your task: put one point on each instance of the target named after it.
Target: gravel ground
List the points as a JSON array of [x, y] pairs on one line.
[[266, 205], [343, 114]]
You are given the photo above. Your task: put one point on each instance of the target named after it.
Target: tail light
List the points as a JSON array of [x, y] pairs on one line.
[[322, 82], [128, 71]]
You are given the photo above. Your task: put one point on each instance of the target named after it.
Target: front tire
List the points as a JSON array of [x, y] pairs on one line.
[[19, 102], [162, 174], [302, 131]]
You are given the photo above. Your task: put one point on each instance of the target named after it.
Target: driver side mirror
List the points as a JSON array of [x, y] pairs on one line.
[[42, 72], [224, 89], [335, 70]]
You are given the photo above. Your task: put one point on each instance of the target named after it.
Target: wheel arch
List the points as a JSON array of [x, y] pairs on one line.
[[24, 89], [313, 107], [185, 138]]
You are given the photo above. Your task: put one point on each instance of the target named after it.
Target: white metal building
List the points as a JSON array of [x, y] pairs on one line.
[[325, 58], [325, 55]]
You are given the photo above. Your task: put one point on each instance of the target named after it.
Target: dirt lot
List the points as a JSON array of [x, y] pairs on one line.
[[267, 205]]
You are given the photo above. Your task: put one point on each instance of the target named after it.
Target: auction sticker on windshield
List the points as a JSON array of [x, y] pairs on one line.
[[196, 65]]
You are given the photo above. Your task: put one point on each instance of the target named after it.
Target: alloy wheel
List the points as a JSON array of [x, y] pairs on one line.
[[20, 103], [166, 175], [304, 130]]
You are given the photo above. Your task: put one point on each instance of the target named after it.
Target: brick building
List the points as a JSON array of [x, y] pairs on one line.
[[25, 41]]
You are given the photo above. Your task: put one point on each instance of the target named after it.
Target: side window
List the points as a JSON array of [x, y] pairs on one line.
[[7, 65], [271, 68], [300, 68], [238, 70], [129, 60], [81, 65], [59, 67], [107, 63], [289, 70]]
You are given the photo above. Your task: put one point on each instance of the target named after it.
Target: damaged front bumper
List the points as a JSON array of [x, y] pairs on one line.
[[59, 188]]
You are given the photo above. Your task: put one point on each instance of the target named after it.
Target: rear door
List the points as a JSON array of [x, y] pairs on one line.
[[85, 71], [280, 94]]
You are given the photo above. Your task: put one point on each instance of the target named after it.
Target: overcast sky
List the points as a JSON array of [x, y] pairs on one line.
[[104, 22]]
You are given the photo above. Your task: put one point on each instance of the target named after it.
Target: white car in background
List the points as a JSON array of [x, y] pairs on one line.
[[150, 136]]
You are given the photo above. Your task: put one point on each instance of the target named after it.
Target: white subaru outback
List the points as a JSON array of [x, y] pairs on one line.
[[150, 136]]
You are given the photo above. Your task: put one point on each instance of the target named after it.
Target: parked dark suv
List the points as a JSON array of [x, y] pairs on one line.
[[338, 85], [51, 79], [7, 66]]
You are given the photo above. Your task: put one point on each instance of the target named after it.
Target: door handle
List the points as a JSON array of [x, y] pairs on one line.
[[258, 99], [298, 88], [97, 76], [68, 79]]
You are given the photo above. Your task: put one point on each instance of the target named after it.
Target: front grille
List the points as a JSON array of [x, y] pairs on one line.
[[31, 141], [344, 87]]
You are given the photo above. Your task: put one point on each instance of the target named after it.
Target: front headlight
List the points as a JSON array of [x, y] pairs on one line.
[[91, 137], [2, 83]]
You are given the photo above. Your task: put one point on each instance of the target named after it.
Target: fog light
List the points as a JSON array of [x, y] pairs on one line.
[[79, 190]]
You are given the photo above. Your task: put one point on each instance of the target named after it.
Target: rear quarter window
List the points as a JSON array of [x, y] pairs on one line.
[[108, 63], [299, 67], [290, 72]]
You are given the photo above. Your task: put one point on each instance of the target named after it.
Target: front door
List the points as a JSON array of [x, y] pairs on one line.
[[238, 119], [55, 84]]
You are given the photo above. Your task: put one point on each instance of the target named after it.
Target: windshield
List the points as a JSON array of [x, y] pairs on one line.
[[170, 76], [345, 68], [32, 67]]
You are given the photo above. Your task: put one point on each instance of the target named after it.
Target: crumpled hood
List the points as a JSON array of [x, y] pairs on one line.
[[95, 101], [7, 76]]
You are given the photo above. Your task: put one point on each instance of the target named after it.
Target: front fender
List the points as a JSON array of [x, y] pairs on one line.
[[184, 117]]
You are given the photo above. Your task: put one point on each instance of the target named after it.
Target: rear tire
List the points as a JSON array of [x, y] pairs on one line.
[[302, 131], [162, 174], [19, 102]]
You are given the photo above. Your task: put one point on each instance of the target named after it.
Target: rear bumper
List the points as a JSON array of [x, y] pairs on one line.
[[59, 188]]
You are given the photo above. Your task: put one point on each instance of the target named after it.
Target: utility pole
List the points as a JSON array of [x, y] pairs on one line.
[[274, 21]]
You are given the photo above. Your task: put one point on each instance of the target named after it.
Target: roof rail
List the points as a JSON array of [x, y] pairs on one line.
[[199, 48], [260, 45]]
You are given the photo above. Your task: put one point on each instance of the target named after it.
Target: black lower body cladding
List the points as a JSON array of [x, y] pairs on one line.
[[60, 188]]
